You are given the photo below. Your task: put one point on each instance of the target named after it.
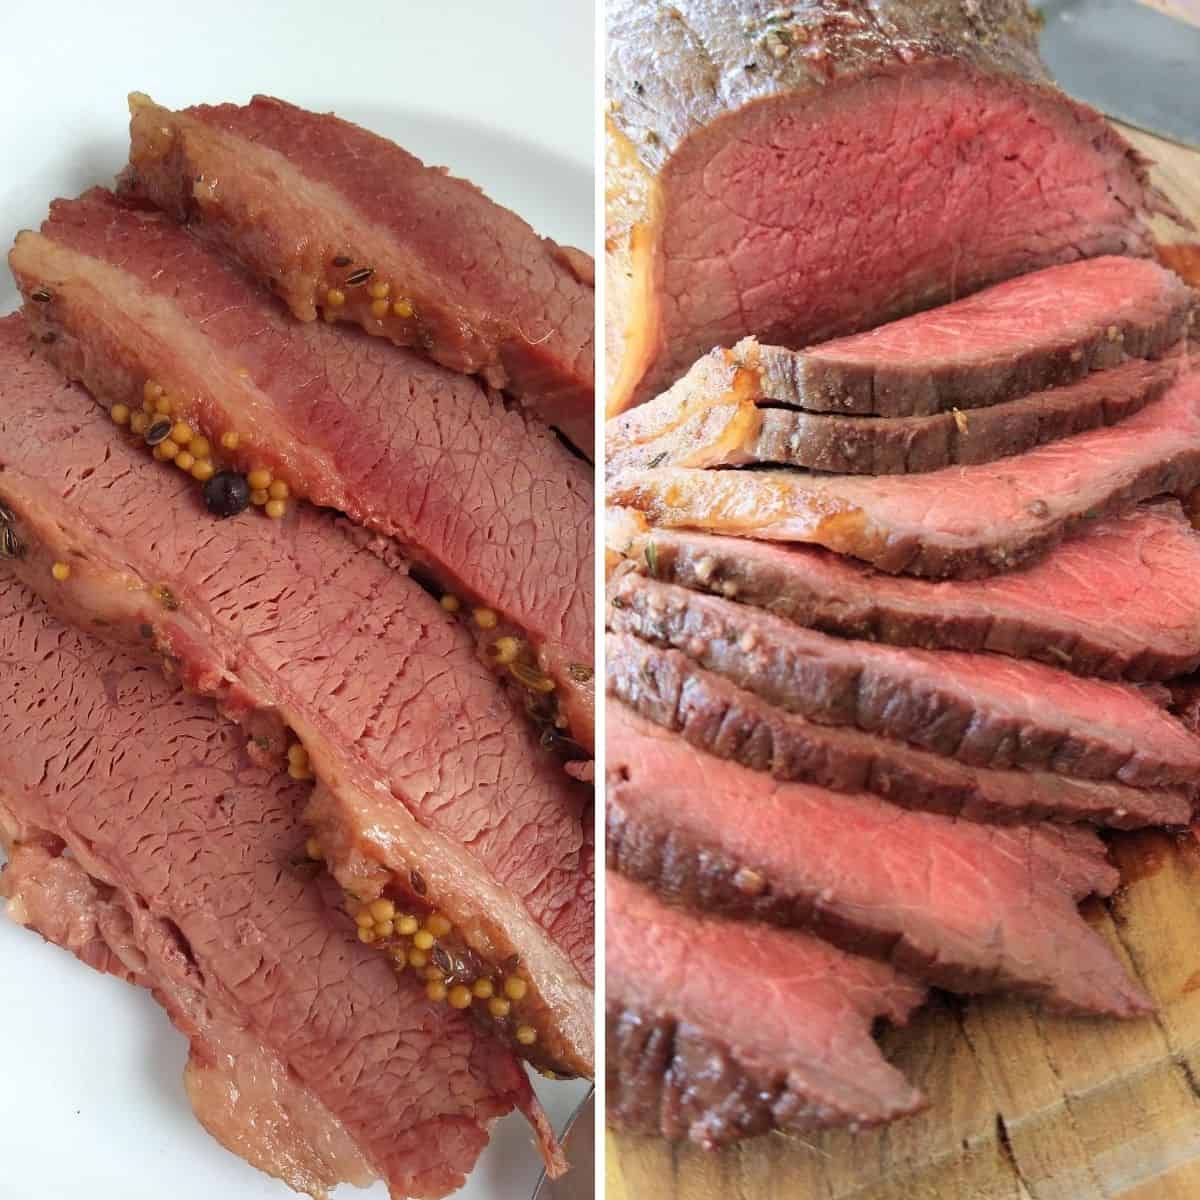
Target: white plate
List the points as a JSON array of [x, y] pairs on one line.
[[92, 1102]]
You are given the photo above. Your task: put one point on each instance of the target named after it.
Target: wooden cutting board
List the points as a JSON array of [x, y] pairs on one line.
[[1023, 1106]]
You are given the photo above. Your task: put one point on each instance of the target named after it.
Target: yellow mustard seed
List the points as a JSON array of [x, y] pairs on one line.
[[335, 297], [295, 771], [203, 471], [163, 406], [148, 406], [279, 490], [380, 309], [152, 390], [363, 918], [201, 447], [459, 996], [120, 414], [182, 433], [505, 650], [435, 989], [383, 909], [259, 479], [407, 925], [167, 450], [378, 289], [276, 509], [61, 571], [403, 308], [423, 939], [450, 602], [139, 423], [366, 933], [485, 618], [438, 924], [384, 929], [297, 753], [230, 440], [185, 460], [259, 498], [418, 958], [515, 987], [312, 848], [526, 1035], [483, 989], [499, 1007]]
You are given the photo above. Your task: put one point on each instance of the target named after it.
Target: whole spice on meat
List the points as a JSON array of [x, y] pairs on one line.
[[226, 494]]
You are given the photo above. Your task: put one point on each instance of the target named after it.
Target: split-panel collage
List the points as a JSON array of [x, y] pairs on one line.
[[601, 601]]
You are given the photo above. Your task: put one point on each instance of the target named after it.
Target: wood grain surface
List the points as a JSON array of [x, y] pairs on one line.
[[1023, 1106]]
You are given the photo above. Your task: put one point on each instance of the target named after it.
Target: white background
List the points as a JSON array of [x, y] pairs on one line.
[[91, 1099]]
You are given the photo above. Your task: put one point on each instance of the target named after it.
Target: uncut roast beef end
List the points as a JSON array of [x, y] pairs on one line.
[[135, 824], [719, 1030], [930, 155]]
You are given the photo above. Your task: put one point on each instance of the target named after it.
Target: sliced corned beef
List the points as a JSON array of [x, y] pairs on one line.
[[499, 510], [719, 1030], [962, 521], [809, 171], [142, 838], [713, 714], [1118, 601], [983, 709], [435, 790], [970, 907], [719, 416], [339, 220]]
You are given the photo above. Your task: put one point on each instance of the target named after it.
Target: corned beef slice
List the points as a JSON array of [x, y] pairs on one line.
[[812, 171], [184, 871], [963, 521], [1119, 601], [433, 787], [485, 496], [966, 906], [718, 1030], [718, 416], [309, 203], [985, 710], [715, 715]]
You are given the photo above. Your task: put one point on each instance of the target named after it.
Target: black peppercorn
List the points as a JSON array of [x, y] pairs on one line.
[[226, 494]]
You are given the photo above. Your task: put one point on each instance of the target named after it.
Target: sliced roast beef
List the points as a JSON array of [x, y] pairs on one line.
[[341, 221], [1040, 330], [963, 521], [966, 906], [1118, 601], [489, 500], [985, 710], [715, 715], [719, 416], [813, 170], [435, 791], [142, 837], [719, 1030]]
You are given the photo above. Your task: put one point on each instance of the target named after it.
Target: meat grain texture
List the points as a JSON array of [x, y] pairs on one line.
[[431, 783], [142, 838], [804, 172]]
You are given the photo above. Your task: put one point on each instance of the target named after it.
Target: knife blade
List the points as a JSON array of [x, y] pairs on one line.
[[1132, 62]]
